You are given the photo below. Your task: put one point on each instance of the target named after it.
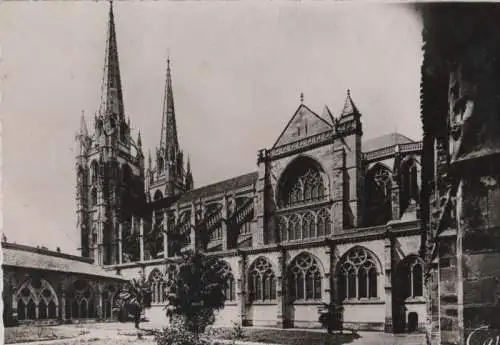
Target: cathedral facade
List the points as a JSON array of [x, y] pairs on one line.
[[325, 217]]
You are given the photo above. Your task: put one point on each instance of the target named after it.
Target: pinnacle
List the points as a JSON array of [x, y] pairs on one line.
[[83, 125], [349, 107]]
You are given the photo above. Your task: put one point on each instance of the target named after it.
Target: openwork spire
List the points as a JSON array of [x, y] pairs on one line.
[[111, 93], [168, 140]]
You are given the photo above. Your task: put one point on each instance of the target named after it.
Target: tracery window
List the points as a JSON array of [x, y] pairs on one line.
[[304, 278], [283, 228], [308, 225], [324, 226], [80, 301], [302, 183], [230, 291], [297, 226], [261, 281], [36, 300], [157, 286], [294, 231], [358, 275], [412, 277], [378, 188]]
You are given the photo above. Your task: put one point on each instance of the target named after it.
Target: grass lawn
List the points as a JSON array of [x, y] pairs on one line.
[[287, 337], [23, 334]]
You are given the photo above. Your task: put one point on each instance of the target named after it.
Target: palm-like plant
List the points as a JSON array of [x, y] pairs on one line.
[[134, 296], [200, 287]]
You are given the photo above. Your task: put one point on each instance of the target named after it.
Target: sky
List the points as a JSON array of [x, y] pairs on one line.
[[238, 69]]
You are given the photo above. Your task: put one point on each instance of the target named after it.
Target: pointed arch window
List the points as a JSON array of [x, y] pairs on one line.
[[413, 277], [261, 281], [305, 278], [301, 183], [283, 228], [230, 290], [358, 276], [378, 189], [157, 286], [81, 301], [308, 226], [36, 300], [294, 231], [324, 225]]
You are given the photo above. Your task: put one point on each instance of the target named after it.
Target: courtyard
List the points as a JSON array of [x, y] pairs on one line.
[[125, 333]]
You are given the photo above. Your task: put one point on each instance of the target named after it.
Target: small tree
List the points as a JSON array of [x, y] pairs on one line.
[[134, 297], [331, 317], [200, 286]]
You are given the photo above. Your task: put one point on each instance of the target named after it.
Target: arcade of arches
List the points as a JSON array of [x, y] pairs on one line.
[[37, 290]]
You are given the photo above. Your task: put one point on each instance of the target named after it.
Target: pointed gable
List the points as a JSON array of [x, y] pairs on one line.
[[349, 106], [303, 123]]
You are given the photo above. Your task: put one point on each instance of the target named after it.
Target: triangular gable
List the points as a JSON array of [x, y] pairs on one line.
[[303, 124]]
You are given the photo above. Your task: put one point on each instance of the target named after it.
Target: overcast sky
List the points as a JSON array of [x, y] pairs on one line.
[[238, 69]]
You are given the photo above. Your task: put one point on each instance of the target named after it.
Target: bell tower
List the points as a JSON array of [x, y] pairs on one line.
[[110, 169], [167, 176]]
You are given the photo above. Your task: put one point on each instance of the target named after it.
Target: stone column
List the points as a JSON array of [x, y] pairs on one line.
[[330, 278], [387, 275], [337, 191], [395, 203], [120, 243], [166, 227], [260, 205], [14, 286], [192, 233], [63, 307], [281, 289], [141, 238], [99, 302], [241, 287], [224, 222]]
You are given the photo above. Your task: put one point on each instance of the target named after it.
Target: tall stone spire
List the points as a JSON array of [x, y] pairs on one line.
[[111, 93], [169, 141]]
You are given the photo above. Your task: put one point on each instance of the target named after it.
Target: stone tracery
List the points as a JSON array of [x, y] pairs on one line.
[[358, 275], [305, 278], [261, 281], [37, 300]]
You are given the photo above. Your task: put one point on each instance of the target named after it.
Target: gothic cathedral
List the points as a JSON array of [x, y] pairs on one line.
[[326, 217]]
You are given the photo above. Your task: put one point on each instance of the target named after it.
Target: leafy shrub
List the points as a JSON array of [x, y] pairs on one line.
[[177, 334], [237, 330]]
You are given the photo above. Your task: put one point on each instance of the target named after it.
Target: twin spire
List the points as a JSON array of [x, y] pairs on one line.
[[168, 140], [111, 93], [112, 97]]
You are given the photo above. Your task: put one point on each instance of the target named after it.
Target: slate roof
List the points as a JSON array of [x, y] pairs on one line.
[[219, 187], [386, 140], [16, 255]]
